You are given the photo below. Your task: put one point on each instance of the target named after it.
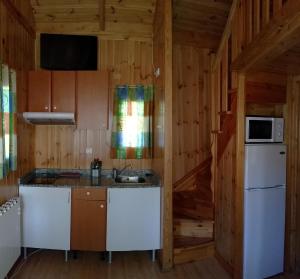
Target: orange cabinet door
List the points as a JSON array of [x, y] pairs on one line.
[[92, 99], [63, 91], [39, 91], [88, 222]]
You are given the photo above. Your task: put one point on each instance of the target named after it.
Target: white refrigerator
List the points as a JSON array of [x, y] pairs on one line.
[[264, 210]]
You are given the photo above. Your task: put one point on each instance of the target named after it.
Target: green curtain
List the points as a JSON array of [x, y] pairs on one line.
[[8, 135], [132, 122]]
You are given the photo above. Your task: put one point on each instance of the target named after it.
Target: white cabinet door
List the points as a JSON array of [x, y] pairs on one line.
[[46, 217], [133, 219]]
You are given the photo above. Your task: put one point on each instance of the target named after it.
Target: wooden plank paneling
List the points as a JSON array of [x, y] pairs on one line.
[[263, 93], [200, 16], [196, 39], [265, 12], [109, 18], [17, 51], [191, 109], [277, 6], [128, 62]]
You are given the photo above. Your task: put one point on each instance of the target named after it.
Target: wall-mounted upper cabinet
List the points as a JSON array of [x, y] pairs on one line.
[[92, 102], [51, 91], [63, 91], [55, 96], [39, 91]]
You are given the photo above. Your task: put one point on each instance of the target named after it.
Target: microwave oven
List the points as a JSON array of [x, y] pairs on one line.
[[264, 129]]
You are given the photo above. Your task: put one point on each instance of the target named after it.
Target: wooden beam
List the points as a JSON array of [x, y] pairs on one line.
[[292, 142], [226, 33], [19, 17], [197, 39], [214, 126], [102, 15], [168, 153], [281, 34], [239, 193]]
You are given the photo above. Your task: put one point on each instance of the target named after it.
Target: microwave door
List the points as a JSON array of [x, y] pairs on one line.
[[260, 130]]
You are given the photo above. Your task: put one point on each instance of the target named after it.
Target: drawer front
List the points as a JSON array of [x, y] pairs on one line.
[[89, 194]]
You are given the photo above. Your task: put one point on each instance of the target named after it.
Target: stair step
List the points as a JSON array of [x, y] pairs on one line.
[[193, 228], [190, 253], [195, 214]]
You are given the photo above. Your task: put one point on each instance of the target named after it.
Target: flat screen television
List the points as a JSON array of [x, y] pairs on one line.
[[68, 52]]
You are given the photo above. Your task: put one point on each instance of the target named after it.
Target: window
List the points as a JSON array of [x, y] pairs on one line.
[[132, 122], [8, 137]]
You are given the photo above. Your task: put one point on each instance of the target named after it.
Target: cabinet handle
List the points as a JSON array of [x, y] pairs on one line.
[[88, 193], [102, 206], [54, 108], [46, 107]]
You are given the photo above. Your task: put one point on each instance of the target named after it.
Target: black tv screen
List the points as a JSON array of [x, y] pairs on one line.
[[68, 52]]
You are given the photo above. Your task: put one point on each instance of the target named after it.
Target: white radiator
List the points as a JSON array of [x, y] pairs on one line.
[[10, 235]]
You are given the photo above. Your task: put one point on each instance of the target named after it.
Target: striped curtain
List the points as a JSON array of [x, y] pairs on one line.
[[8, 135], [132, 122]]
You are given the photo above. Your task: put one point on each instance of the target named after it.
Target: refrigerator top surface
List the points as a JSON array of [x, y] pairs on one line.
[[265, 165]]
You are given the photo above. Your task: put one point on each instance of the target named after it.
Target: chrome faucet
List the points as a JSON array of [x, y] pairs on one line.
[[123, 169], [116, 172]]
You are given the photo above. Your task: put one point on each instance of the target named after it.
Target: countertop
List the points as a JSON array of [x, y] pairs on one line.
[[82, 179]]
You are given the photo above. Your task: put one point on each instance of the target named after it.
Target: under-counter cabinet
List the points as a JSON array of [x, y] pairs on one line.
[[51, 91], [133, 219], [46, 217], [88, 231]]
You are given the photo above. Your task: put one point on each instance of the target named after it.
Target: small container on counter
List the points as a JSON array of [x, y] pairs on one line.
[[96, 166]]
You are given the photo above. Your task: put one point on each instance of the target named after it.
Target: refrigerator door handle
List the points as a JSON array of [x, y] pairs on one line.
[[265, 188]]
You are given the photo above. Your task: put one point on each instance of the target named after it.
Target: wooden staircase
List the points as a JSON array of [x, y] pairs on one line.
[[193, 215]]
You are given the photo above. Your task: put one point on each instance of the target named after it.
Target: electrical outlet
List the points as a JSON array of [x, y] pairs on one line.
[[89, 150]]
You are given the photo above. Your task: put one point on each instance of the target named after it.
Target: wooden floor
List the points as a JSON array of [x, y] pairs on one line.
[[134, 265]]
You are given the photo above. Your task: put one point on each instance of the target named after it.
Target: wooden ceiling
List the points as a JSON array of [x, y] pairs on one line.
[[128, 18], [122, 18], [202, 16]]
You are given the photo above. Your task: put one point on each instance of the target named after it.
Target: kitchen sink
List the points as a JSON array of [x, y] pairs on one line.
[[129, 179], [42, 180]]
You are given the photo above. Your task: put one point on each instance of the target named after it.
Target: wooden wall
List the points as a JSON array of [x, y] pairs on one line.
[[17, 50], [129, 62], [191, 108], [292, 133], [162, 161], [268, 80]]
